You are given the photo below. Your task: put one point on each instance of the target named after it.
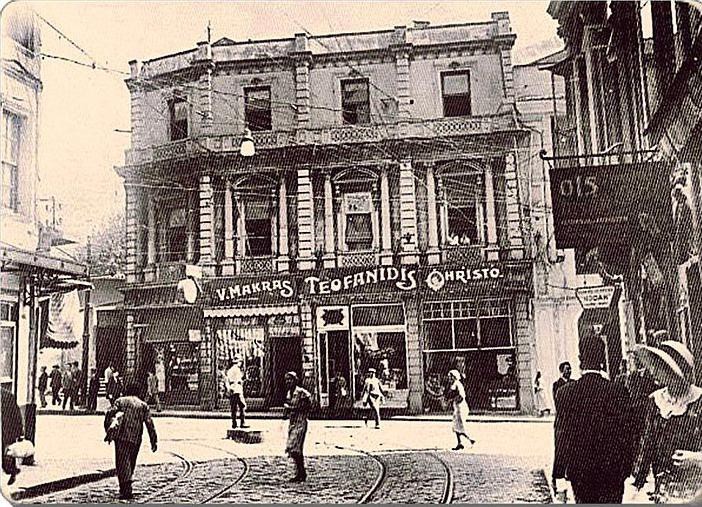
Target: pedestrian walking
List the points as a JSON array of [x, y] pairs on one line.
[[566, 372], [297, 407], [67, 381], [55, 385], [152, 390], [126, 431], [77, 374], [672, 439], [12, 430], [540, 397], [641, 385], [41, 386], [114, 388], [592, 435], [93, 388], [456, 395], [372, 396], [235, 390]]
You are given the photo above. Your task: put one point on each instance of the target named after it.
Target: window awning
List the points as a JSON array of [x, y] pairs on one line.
[[63, 275], [255, 311]]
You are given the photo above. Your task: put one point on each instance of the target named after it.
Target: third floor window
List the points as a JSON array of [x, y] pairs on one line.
[[355, 101], [179, 119], [10, 161], [257, 108], [455, 91]]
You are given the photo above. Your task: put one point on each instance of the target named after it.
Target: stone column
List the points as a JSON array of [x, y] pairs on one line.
[[302, 57], [283, 238], [408, 214], [191, 227], [504, 31], [493, 249], [208, 382], [206, 224], [329, 257], [132, 226], [386, 230], [138, 99], [228, 262], [131, 345], [305, 220], [433, 252], [150, 271]]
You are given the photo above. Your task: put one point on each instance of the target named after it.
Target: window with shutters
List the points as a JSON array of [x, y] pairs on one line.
[[355, 101]]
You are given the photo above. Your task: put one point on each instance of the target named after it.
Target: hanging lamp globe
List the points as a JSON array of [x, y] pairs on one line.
[[247, 148]]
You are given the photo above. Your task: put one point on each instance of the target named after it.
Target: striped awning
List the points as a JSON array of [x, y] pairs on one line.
[[251, 311]]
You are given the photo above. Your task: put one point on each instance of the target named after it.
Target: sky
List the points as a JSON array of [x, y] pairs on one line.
[[83, 107]]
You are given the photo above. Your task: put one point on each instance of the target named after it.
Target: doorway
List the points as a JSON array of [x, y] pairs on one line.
[[286, 355], [338, 361]]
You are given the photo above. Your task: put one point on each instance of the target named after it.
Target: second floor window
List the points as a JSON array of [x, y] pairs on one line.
[[257, 108], [355, 101], [358, 211], [176, 235], [462, 213], [257, 222], [455, 91], [179, 119], [10, 161]]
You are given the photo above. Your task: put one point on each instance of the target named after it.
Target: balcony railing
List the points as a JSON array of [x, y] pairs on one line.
[[346, 134], [358, 259], [468, 255], [249, 265], [164, 272]]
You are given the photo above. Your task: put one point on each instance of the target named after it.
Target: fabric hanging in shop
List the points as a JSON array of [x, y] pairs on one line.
[[60, 330]]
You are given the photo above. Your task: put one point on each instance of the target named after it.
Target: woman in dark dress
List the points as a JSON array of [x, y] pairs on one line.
[[672, 440]]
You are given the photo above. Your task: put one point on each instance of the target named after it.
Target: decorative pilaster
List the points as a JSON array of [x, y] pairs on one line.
[[308, 354], [208, 384], [408, 215], [305, 220], [206, 224], [203, 59], [433, 252], [228, 262], [514, 220], [283, 238], [302, 57], [137, 99], [132, 226], [504, 32], [386, 230], [402, 52], [191, 227], [150, 271], [329, 257], [131, 345], [240, 233], [493, 249]]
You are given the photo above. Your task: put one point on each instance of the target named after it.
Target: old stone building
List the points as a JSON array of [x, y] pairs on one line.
[[381, 219]]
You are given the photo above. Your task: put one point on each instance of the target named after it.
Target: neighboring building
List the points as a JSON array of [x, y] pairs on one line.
[[30, 272], [633, 127], [383, 222]]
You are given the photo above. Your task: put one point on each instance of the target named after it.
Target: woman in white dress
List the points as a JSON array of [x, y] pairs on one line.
[[540, 396], [456, 394]]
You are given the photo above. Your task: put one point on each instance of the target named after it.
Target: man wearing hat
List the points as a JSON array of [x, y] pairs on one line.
[[234, 381], [593, 442]]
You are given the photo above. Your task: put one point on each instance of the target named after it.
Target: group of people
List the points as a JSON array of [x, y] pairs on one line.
[[68, 382], [649, 420]]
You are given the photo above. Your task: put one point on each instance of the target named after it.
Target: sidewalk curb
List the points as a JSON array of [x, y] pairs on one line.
[[61, 484]]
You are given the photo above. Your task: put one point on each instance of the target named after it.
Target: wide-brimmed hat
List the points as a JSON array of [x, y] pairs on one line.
[[671, 355]]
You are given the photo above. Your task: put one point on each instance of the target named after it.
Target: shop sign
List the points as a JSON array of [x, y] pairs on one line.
[[333, 318], [595, 297], [194, 335], [595, 205], [345, 281], [437, 278], [232, 291]]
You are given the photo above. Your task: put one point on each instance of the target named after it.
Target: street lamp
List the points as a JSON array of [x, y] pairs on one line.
[[247, 148]]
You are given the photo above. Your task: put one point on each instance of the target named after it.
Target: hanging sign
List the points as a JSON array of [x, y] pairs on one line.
[[595, 297]]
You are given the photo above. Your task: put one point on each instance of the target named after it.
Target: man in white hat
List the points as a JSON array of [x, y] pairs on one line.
[[234, 381]]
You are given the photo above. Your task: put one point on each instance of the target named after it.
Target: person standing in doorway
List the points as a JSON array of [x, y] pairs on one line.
[[456, 395], [566, 372], [297, 407], [372, 396], [68, 383], [235, 391], [152, 390], [41, 386], [592, 431], [93, 388], [55, 385], [128, 435]]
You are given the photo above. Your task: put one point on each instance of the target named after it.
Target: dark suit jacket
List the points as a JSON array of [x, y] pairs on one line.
[[558, 384], [12, 427], [592, 430], [136, 415]]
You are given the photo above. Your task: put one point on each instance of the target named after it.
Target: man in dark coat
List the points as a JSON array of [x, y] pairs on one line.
[[566, 371], [12, 429], [68, 383], [592, 430], [41, 386], [93, 388], [127, 437], [55, 385]]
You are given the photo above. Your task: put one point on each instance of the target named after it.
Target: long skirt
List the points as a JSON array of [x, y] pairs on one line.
[[296, 436], [460, 414]]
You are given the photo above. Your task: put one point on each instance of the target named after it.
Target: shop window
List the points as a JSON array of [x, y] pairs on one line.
[[178, 109], [257, 108], [462, 209], [245, 337], [438, 335], [8, 322], [455, 90], [10, 161], [384, 351], [355, 102], [495, 332], [176, 236], [385, 315], [466, 332], [358, 211]]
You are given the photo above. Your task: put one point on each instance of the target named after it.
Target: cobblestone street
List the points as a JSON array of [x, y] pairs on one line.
[[347, 463]]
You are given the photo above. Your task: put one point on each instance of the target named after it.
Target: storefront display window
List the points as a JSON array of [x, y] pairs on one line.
[[177, 369], [245, 337]]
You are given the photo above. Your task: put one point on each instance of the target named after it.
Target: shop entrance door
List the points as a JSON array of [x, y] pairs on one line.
[[339, 364], [286, 355]]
